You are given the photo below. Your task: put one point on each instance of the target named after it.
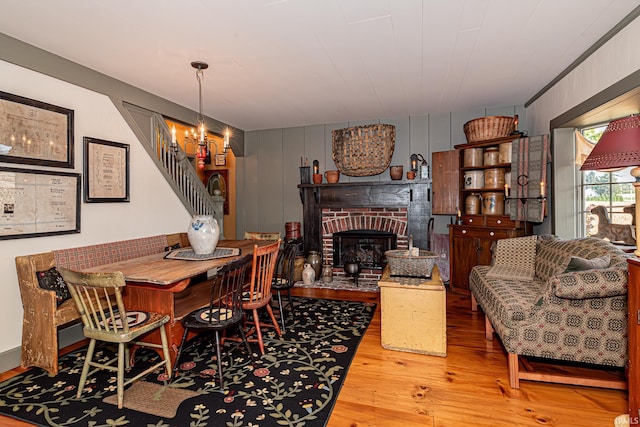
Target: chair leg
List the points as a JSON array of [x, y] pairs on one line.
[[85, 367], [281, 308], [256, 320], [219, 354], [120, 382], [175, 362], [293, 307], [246, 343], [273, 320], [165, 351]]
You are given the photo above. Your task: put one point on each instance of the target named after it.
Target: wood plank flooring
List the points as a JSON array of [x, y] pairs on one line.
[[469, 387]]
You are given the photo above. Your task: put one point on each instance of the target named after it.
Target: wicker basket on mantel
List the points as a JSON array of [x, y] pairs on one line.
[[363, 150]]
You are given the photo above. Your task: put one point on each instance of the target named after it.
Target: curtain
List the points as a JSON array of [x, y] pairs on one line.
[[583, 148], [530, 156]]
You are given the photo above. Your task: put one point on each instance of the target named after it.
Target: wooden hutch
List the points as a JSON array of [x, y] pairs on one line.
[[476, 227]]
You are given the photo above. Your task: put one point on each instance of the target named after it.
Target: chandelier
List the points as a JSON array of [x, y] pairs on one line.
[[203, 149]]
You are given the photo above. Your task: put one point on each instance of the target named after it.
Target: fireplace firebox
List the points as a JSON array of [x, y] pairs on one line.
[[368, 246]]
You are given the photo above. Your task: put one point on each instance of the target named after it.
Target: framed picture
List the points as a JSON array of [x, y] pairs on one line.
[[106, 171], [35, 133], [36, 203]]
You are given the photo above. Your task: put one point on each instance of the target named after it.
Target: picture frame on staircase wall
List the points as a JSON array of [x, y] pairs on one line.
[[106, 171]]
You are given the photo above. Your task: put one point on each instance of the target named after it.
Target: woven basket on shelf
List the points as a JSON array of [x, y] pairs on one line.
[[401, 264], [363, 150], [489, 127]]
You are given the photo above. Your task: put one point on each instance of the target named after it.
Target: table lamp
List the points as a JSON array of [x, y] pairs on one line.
[[619, 147]]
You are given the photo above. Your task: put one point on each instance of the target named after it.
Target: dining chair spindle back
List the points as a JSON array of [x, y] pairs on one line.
[[112, 323], [224, 310]]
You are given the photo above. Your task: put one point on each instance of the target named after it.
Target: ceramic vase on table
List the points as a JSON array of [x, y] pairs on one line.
[[203, 234]]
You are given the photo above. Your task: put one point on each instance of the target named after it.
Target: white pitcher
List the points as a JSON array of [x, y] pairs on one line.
[[203, 234]]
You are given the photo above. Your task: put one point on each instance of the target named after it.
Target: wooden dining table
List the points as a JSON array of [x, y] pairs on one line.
[[172, 286]]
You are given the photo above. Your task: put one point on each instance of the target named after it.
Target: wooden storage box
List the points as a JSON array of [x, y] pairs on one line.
[[414, 314]]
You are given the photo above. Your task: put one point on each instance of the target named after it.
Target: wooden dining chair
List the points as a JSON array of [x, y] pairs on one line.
[[257, 294], [283, 279], [112, 323], [224, 310]]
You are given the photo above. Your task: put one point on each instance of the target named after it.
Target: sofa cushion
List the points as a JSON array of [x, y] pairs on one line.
[[580, 264], [553, 257], [514, 259], [601, 283], [511, 301]]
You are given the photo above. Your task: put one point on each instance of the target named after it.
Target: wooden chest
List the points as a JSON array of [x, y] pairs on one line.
[[414, 315]]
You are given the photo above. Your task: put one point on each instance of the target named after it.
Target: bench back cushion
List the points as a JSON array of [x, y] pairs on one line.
[[554, 255], [106, 253]]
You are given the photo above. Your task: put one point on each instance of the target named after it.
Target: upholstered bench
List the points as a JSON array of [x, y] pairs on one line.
[[44, 310], [548, 298]]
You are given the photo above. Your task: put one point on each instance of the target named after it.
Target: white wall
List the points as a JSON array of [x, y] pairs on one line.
[[154, 208], [615, 60]]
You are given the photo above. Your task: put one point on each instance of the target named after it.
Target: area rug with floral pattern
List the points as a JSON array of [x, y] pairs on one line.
[[295, 383]]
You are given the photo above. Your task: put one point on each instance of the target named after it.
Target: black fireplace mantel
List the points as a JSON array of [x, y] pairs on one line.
[[413, 195]]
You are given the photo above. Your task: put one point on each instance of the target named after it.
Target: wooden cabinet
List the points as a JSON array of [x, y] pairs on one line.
[[470, 244], [445, 192], [483, 169]]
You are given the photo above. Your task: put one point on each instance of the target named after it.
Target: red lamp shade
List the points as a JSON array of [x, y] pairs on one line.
[[618, 147]]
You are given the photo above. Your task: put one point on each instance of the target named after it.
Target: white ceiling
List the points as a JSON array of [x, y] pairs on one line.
[[282, 63]]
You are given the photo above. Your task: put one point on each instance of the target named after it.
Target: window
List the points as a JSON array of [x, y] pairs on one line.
[[606, 197]]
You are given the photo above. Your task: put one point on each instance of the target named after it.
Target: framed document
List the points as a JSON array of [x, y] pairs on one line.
[[106, 171], [38, 203], [34, 132]]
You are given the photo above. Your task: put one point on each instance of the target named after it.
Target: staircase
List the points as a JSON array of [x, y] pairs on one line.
[[173, 163]]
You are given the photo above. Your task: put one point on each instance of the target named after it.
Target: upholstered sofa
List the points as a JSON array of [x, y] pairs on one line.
[[548, 298], [45, 310]]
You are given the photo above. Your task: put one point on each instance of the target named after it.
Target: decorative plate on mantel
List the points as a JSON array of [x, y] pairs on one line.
[[363, 150]]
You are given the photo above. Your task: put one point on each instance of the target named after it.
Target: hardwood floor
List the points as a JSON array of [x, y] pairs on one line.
[[469, 387]]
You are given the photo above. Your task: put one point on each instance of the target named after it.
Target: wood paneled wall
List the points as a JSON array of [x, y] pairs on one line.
[[268, 196]]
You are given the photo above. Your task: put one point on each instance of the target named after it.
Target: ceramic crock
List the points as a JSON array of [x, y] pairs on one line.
[[314, 259], [203, 234], [396, 172], [308, 274], [332, 176]]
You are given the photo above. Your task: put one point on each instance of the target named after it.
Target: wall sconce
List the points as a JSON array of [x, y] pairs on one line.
[[419, 165]]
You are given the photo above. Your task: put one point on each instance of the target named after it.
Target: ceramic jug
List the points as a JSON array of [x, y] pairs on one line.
[[308, 274], [203, 234], [327, 273], [315, 260]]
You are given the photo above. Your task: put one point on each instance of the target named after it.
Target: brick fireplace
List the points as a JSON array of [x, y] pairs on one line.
[[336, 220], [399, 207]]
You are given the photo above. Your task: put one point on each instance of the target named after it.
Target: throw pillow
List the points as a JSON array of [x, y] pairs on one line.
[[514, 259], [51, 280], [580, 264]]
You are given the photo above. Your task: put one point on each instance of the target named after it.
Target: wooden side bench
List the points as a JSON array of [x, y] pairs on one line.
[[41, 315]]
